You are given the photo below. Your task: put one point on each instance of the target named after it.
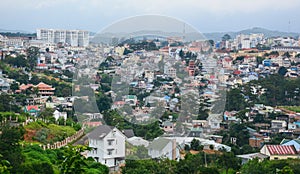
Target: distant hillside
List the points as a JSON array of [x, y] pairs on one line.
[[268, 33], [14, 31]]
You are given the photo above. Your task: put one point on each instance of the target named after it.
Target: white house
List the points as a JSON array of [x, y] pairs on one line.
[[138, 141], [57, 115], [214, 121], [108, 145], [163, 148]]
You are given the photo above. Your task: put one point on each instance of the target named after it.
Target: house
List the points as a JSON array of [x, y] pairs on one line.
[[57, 115], [4, 85], [196, 132], [108, 145], [256, 141], [138, 141], [277, 152], [44, 89], [32, 110], [295, 143], [246, 157], [214, 121], [163, 148], [277, 125], [128, 133], [131, 100]]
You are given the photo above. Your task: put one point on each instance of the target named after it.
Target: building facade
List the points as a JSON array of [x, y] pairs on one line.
[[108, 145], [76, 38]]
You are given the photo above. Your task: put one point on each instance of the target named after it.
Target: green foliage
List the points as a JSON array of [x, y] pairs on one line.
[[35, 125], [4, 166], [228, 161], [292, 108], [137, 152], [74, 163], [47, 113], [9, 145], [7, 104], [65, 160], [195, 145], [36, 168], [279, 91], [32, 56], [289, 166], [192, 164], [103, 102], [50, 133], [282, 71], [226, 37], [235, 100], [18, 61]]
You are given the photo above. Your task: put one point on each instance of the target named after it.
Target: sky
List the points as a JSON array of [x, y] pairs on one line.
[[204, 15]]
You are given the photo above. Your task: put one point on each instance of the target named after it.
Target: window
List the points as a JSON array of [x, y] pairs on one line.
[[110, 142], [109, 151]]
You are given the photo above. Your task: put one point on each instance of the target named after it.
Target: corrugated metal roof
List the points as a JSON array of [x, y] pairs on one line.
[[281, 150]]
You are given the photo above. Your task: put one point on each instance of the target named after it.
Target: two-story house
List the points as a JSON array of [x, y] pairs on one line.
[[108, 145]]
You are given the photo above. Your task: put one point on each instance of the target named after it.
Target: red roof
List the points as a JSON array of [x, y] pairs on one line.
[[30, 107], [24, 87], [237, 72], [42, 65], [281, 150]]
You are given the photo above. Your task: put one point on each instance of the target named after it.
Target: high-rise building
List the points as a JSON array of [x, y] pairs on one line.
[[71, 37]]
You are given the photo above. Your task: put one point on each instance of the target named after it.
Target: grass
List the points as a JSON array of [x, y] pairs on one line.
[[292, 108], [48, 133]]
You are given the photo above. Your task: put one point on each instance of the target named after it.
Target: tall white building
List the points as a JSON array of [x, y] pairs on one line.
[[72, 37], [248, 40], [108, 145]]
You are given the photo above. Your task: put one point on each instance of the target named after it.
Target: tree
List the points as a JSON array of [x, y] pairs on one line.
[[254, 167], [4, 166], [181, 54], [32, 56], [228, 160], [47, 113], [226, 37], [9, 145], [235, 101], [211, 42], [74, 162], [282, 71], [195, 145]]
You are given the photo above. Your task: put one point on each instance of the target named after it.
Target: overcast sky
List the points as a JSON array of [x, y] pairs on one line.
[[205, 15]]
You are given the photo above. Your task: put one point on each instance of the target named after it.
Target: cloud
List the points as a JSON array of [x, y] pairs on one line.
[[104, 12]]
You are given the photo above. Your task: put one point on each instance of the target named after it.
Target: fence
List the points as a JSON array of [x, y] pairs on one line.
[[64, 142]]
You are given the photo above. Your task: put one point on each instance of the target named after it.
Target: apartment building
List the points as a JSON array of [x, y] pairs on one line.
[[76, 38]]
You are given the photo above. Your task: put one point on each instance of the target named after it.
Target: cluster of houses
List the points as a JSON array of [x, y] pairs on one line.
[[109, 145], [168, 74]]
